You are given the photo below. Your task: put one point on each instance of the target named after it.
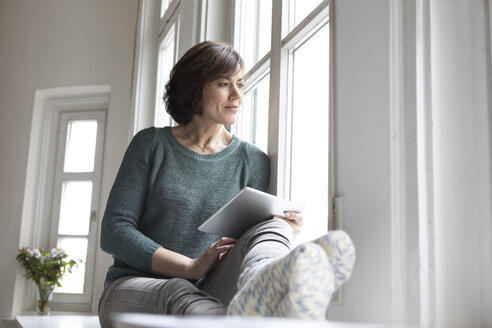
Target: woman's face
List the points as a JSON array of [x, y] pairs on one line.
[[221, 99]]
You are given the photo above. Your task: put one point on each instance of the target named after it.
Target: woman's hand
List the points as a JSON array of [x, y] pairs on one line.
[[210, 258], [294, 219]]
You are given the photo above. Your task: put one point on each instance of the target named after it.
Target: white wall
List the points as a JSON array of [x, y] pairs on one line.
[[453, 114], [362, 153], [461, 110], [47, 44]]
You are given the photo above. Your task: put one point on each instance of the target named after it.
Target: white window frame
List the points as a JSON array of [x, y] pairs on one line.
[[169, 28], [95, 178], [280, 111], [284, 40], [276, 63], [35, 221], [191, 16]]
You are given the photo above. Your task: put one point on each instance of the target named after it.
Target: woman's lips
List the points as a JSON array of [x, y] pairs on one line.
[[232, 107]]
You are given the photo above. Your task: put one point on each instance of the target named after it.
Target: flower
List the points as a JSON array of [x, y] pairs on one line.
[[57, 252], [41, 265]]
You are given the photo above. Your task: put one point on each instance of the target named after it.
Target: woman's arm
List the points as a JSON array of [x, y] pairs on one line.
[[120, 236]]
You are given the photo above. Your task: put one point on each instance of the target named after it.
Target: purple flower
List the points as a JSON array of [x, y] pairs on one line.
[[55, 252], [36, 253]]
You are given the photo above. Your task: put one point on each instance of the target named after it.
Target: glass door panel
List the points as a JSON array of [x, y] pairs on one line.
[[80, 148], [75, 208], [73, 283]]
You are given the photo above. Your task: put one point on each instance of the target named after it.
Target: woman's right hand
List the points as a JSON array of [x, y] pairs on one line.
[[210, 258]]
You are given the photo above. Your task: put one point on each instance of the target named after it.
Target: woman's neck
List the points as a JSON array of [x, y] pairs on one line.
[[206, 139], [204, 134]]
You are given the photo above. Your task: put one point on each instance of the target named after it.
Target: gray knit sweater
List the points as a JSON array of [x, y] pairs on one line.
[[163, 191]]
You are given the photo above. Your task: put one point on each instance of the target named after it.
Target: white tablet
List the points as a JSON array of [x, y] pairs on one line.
[[248, 208]]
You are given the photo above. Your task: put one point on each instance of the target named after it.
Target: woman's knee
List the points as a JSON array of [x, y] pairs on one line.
[[273, 230]]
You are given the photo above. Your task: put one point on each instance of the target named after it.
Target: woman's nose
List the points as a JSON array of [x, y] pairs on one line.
[[235, 93]]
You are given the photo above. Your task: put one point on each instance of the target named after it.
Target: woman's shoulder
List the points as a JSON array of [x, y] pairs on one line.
[[153, 134], [148, 139], [253, 152], [146, 133]]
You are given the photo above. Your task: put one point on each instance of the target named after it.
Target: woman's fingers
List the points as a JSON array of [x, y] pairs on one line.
[[223, 245], [223, 248], [295, 216], [294, 219], [226, 241]]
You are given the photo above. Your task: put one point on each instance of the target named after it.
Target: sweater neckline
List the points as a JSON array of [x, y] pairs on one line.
[[191, 153]]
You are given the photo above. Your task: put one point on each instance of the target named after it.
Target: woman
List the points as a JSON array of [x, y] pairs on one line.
[[172, 179]]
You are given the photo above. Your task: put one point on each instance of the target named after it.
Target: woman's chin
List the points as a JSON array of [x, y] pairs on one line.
[[230, 121]]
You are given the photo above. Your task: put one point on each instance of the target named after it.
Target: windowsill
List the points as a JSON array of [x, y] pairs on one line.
[[140, 320], [80, 320], [58, 320]]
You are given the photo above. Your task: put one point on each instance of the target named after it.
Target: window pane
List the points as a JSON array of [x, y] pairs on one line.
[[76, 248], [299, 9], [166, 62], [164, 6], [252, 121], [244, 128], [264, 27], [80, 149], [309, 161], [261, 113], [75, 208], [256, 30]]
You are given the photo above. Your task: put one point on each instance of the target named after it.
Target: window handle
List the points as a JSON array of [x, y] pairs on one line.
[[93, 219]]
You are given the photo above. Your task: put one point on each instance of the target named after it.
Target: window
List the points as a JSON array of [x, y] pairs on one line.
[[309, 130], [299, 10], [286, 103], [165, 64], [252, 120], [164, 6], [76, 199], [168, 40], [253, 41], [254, 19]]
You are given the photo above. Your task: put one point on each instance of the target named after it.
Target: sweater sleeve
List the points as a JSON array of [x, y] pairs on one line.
[[120, 236], [259, 163]]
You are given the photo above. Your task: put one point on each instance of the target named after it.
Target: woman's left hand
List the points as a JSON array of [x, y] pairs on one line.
[[294, 219], [199, 267]]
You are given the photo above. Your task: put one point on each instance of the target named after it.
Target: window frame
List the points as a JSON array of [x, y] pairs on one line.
[[276, 64], [169, 23], [35, 229], [95, 177], [280, 111]]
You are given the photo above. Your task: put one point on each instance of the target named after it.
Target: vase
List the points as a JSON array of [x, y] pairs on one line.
[[44, 296]]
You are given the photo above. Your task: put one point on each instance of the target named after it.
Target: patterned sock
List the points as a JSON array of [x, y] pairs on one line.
[[340, 252], [295, 285], [309, 292]]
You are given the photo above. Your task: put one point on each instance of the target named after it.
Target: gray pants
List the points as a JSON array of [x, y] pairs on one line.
[[210, 295]]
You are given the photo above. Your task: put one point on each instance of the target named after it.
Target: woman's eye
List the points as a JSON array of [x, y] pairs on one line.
[[240, 85], [223, 84]]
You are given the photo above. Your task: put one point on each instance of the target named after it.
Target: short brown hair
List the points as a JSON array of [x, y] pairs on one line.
[[203, 63]]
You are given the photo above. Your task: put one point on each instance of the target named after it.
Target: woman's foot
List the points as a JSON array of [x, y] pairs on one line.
[[298, 285], [340, 252]]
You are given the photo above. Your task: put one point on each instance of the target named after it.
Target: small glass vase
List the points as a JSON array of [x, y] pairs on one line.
[[44, 296]]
